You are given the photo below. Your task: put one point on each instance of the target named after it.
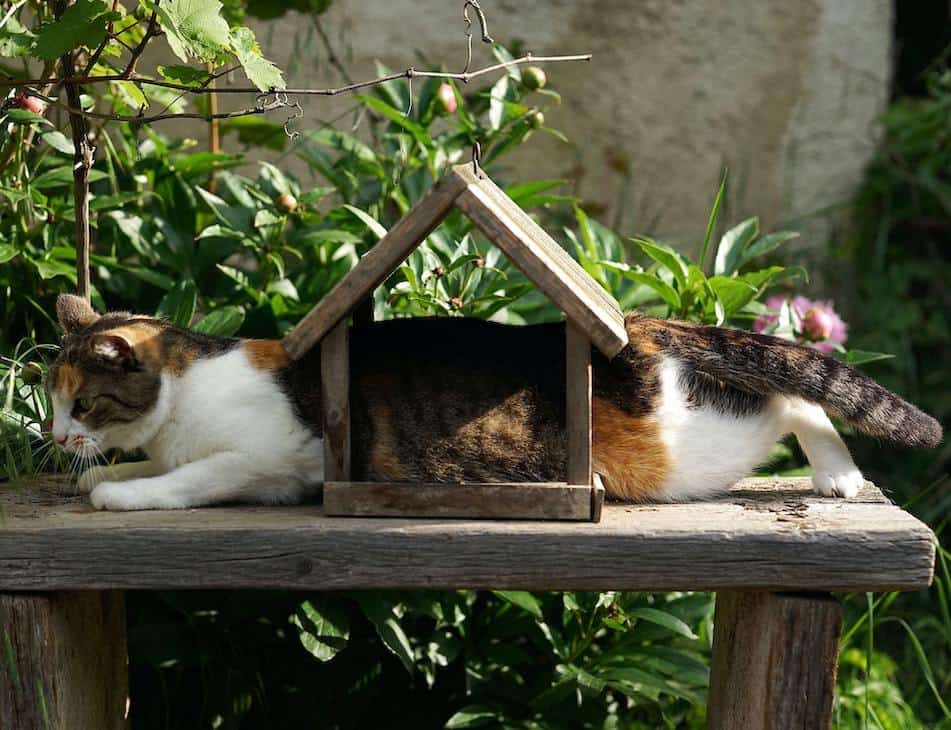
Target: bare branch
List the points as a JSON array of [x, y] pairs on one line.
[[465, 77]]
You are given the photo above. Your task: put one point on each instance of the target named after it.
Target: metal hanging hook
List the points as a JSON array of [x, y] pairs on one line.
[[476, 157], [486, 38]]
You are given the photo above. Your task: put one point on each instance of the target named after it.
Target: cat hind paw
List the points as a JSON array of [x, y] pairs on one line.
[[838, 482]]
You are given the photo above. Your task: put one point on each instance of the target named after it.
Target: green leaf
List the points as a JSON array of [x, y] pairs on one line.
[[399, 119], [52, 269], [62, 176], [222, 322], [194, 28], [662, 618], [767, 243], [260, 72], [178, 305], [733, 244], [498, 94], [324, 627], [664, 290], [372, 223], [666, 257], [471, 716], [733, 293], [381, 615], [25, 116], [7, 252], [712, 221], [58, 141], [15, 39], [860, 357], [523, 599], [186, 75], [82, 24]]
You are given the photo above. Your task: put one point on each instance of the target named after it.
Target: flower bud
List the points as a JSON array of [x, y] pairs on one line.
[[445, 100], [479, 263], [32, 373], [817, 323], [536, 120], [30, 103], [456, 303], [534, 78], [286, 203], [439, 272]]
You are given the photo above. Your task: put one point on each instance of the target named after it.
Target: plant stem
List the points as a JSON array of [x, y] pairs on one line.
[[82, 163]]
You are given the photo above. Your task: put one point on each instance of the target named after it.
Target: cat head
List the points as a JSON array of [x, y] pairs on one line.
[[107, 380]]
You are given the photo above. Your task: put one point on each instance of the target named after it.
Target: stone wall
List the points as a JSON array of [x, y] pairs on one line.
[[786, 94]]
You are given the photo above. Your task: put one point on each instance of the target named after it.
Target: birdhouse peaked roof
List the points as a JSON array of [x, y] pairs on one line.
[[505, 224]]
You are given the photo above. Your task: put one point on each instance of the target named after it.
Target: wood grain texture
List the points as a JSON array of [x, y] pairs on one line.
[[335, 401], [774, 661], [543, 261], [578, 404], [64, 661], [597, 497], [763, 534], [516, 501], [373, 268]]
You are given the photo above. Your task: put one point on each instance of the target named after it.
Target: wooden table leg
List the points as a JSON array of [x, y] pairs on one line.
[[63, 662], [775, 657]]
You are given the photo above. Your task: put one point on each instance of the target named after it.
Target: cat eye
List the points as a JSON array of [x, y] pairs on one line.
[[83, 405]]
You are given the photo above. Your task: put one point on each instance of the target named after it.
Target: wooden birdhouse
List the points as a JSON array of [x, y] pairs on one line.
[[594, 318]]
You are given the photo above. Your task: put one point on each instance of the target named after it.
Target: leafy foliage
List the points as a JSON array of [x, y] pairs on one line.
[[241, 260]]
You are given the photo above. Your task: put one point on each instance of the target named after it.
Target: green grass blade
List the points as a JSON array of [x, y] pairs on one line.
[[712, 222]]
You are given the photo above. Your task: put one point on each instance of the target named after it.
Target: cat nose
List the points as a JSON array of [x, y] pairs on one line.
[[61, 440]]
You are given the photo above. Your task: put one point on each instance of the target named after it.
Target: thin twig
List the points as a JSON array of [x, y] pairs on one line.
[[147, 119], [408, 73]]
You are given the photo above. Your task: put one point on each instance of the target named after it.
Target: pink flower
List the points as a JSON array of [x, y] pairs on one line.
[[446, 99], [819, 325]]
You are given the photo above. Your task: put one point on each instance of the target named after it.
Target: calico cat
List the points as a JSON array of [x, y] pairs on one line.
[[682, 412]]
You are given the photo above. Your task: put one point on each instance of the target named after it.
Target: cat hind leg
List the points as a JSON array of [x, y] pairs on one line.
[[834, 472]]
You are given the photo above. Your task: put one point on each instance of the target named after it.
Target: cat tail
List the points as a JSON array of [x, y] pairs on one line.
[[764, 364]]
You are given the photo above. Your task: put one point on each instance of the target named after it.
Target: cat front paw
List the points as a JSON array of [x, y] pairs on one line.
[[116, 496], [91, 477], [844, 482]]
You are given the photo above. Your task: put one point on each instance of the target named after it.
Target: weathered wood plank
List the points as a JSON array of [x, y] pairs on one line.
[[515, 501], [335, 401], [774, 661], [597, 497], [764, 534], [64, 661], [373, 268], [578, 404], [543, 261]]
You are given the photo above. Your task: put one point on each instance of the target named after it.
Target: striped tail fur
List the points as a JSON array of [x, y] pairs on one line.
[[764, 364]]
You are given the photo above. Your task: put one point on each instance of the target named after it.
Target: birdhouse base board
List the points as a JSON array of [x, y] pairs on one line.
[[501, 501]]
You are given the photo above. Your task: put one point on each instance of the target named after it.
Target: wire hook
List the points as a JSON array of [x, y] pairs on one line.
[[486, 38], [476, 157]]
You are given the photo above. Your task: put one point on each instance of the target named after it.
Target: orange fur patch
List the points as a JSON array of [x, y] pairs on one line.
[[143, 336], [266, 354], [627, 452], [68, 379]]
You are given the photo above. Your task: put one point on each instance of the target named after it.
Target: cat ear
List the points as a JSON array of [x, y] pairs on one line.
[[74, 313], [114, 349]]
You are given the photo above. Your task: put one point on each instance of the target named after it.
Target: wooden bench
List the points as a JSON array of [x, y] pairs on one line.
[[771, 550]]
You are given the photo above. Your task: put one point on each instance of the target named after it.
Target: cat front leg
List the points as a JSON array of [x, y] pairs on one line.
[[115, 473], [221, 477], [834, 472]]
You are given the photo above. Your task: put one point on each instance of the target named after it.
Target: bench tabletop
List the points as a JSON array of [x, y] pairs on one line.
[[764, 534]]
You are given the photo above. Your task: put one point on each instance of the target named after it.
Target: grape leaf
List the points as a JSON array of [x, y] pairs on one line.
[[82, 24], [15, 40], [184, 75], [260, 72], [194, 28]]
